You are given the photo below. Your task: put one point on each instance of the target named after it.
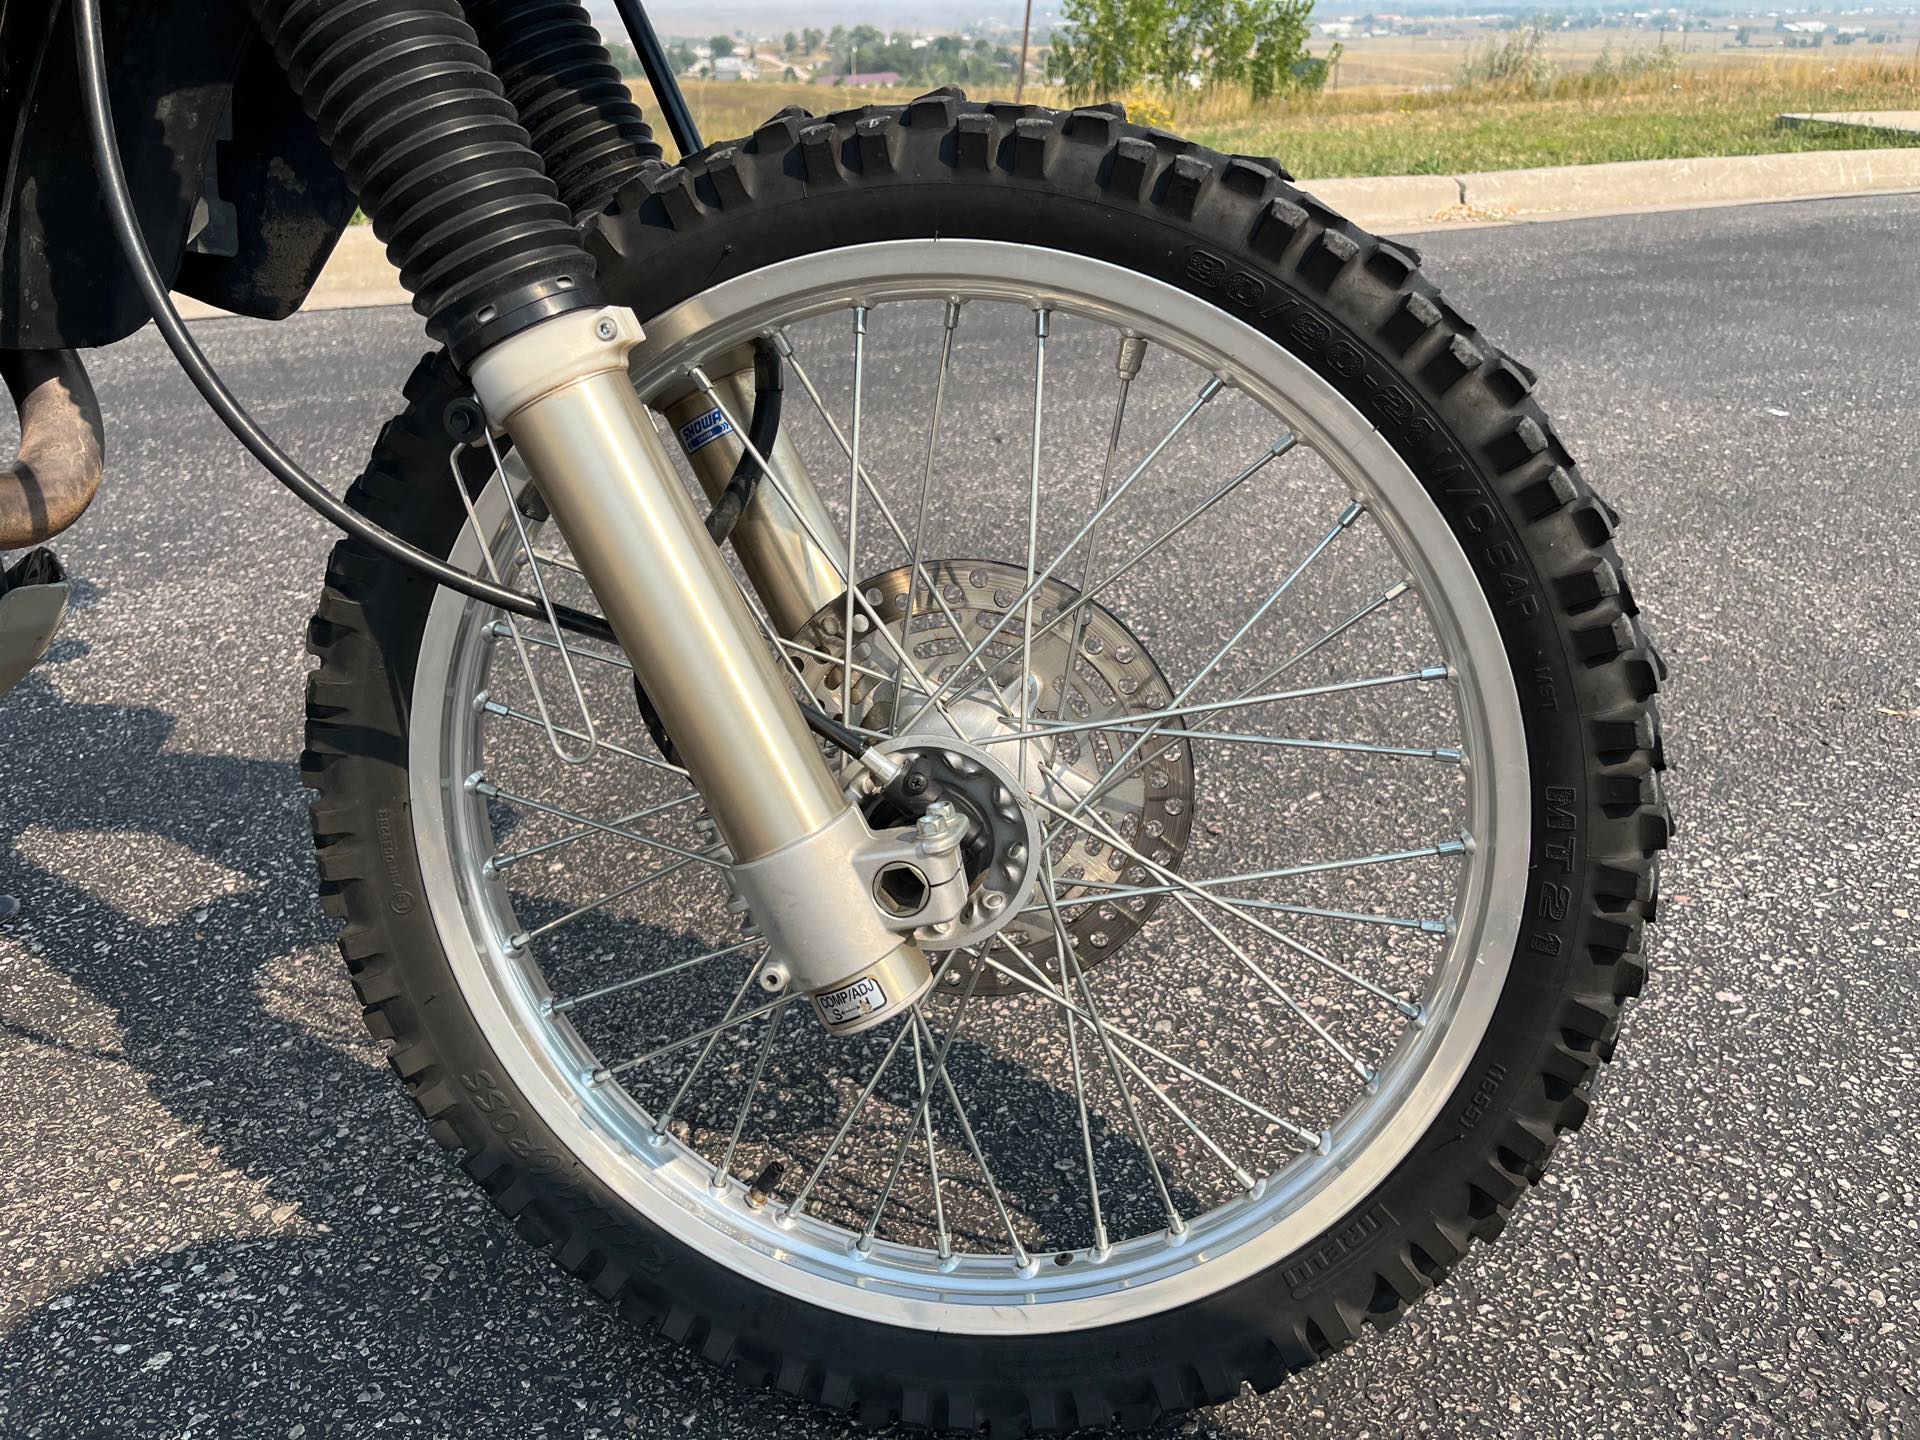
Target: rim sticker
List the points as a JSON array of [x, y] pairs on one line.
[[703, 430], [850, 1002]]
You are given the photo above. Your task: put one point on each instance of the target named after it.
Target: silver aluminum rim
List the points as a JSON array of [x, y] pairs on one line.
[[814, 1261]]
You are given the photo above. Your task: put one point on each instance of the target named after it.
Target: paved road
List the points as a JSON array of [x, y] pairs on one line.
[[217, 1216]]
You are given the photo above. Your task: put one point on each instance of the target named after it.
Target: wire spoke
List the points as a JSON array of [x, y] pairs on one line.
[[853, 504], [917, 574], [1352, 513], [1118, 773], [620, 986], [513, 626], [1070, 960], [1098, 894], [772, 477], [1150, 719], [920, 1115], [1044, 988], [1070, 1014], [502, 859], [917, 549], [1207, 392], [706, 1053], [479, 785], [1021, 1258], [608, 1072], [1089, 593], [521, 939], [1445, 754], [945, 1240], [723, 1172], [799, 1201], [1188, 888], [1041, 324]]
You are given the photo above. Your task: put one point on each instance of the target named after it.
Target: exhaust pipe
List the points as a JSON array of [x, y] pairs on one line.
[[62, 446]]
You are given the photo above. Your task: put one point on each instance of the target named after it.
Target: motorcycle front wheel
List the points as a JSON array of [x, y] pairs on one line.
[[1318, 832]]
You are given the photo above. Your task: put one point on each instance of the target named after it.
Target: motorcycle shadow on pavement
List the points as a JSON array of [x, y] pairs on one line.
[[222, 1216]]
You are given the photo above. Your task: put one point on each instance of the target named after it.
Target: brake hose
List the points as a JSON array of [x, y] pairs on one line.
[[282, 466]]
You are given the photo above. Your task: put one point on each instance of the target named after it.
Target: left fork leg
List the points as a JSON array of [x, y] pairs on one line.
[[401, 89]]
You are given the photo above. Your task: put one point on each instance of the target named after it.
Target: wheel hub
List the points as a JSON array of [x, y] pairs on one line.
[[1085, 666]]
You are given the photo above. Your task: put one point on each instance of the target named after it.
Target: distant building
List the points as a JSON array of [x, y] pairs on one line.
[[860, 77], [735, 67]]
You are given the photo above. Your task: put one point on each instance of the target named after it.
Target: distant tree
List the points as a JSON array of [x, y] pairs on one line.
[[789, 44], [810, 40], [1108, 47], [789, 74], [721, 46]]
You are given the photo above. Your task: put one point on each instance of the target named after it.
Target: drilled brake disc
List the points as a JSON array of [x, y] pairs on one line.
[[1147, 803]]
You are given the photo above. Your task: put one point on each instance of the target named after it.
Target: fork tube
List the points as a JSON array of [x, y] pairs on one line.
[[610, 482], [792, 576]]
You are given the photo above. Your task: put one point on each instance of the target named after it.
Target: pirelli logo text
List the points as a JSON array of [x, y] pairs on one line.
[[1313, 1268]]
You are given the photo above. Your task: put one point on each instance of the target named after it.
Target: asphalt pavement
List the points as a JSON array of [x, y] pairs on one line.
[[219, 1216]]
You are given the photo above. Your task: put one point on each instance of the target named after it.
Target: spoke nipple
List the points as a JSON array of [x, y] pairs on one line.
[[1417, 1014], [782, 344], [477, 783], [1451, 756], [656, 1138], [1212, 388], [1324, 1146], [1467, 843], [599, 1076], [949, 1263], [1398, 588], [490, 867], [1176, 1231], [859, 319], [862, 1246], [1025, 1265], [1437, 927], [1355, 509], [1247, 1182], [1042, 319], [548, 1005], [517, 942], [483, 702]]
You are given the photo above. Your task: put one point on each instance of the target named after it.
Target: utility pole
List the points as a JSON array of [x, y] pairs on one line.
[[1026, 34]]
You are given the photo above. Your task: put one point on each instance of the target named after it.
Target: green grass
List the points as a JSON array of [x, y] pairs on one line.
[[1578, 121]]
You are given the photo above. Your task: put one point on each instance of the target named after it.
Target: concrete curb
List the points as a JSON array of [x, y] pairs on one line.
[[1562, 191], [358, 274]]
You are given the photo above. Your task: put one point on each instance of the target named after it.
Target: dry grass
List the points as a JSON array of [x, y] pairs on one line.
[[1579, 119], [1711, 108]]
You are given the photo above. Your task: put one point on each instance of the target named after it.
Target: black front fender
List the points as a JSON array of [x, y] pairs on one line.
[[206, 121]]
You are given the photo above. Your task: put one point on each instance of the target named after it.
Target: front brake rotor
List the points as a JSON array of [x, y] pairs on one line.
[[1150, 808]]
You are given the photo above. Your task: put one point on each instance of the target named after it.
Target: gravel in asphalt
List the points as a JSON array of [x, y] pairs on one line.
[[219, 1216]]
